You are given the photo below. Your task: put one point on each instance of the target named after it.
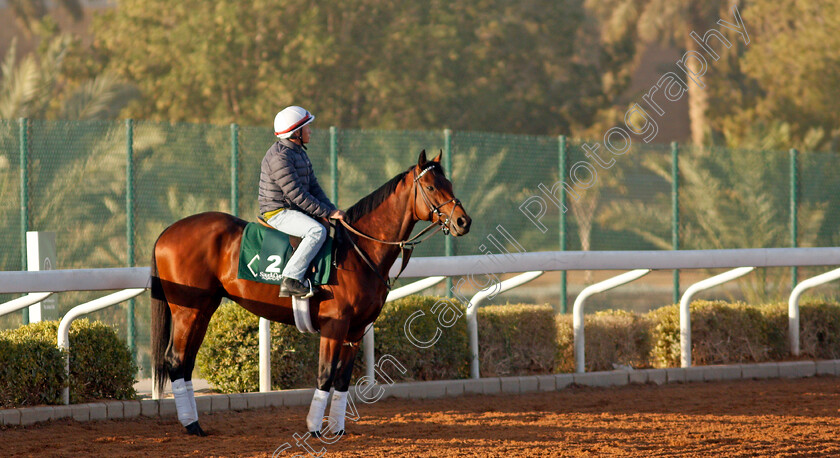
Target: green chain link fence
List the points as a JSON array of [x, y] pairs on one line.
[[108, 189]]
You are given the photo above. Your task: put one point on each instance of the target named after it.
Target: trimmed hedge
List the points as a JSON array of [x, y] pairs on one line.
[[721, 333], [517, 340], [101, 366], [612, 338], [819, 329], [229, 356], [20, 385], [521, 340], [447, 358], [514, 340]]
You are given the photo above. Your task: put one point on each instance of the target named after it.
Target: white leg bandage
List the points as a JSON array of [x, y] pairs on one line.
[[191, 393], [316, 410], [183, 402], [338, 406]]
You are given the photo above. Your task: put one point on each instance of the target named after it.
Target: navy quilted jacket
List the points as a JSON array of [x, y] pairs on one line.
[[287, 181]]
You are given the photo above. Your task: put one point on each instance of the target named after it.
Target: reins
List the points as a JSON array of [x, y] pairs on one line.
[[410, 242], [406, 246]]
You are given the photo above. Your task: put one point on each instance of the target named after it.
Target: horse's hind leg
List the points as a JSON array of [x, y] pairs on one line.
[[189, 324]]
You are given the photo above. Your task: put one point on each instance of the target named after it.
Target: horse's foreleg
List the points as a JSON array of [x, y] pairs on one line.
[[338, 405], [333, 333]]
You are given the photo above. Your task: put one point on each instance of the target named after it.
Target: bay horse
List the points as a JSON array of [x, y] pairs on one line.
[[194, 266]]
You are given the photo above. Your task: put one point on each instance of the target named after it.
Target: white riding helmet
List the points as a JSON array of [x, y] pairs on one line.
[[288, 121]]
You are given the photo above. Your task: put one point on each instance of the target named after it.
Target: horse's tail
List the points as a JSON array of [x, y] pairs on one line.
[[161, 332]]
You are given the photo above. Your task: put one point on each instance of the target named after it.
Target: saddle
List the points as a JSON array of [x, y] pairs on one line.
[[264, 252]]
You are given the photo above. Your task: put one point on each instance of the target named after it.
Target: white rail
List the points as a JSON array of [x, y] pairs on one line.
[[685, 309], [75, 280], [472, 312], [79, 310], [793, 305], [22, 302], [138, 277], [621, 260], [580, 301]]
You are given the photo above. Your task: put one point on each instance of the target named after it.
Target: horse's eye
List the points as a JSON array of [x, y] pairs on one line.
[[430, 188]]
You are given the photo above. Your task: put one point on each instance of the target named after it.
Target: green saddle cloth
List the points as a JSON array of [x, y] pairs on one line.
[[264, 252]]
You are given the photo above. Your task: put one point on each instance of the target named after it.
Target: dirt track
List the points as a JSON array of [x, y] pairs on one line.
[[757, 418]]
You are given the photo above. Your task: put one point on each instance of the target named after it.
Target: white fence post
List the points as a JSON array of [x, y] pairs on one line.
[[793, 305], [265, 355], [472, 312], [79, 310], [580, 301], [40, 255], [685, 309]]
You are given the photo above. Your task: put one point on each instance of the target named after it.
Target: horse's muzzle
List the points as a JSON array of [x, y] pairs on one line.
[[460, 225]]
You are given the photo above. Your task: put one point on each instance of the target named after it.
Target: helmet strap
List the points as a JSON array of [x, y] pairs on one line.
[[299, 137]]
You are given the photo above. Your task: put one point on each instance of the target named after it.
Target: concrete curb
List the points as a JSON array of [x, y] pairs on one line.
[[113, 410]]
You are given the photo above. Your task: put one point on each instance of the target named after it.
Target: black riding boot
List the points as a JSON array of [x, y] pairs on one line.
[[293, 287]]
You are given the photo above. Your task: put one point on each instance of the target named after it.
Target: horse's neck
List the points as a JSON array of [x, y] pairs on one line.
[[393, 220]]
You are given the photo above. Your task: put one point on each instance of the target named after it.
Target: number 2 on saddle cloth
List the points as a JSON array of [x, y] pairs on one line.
[[264, 252]]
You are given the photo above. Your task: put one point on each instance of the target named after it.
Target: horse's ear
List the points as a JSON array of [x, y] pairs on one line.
[[437, 159], [422, 160]]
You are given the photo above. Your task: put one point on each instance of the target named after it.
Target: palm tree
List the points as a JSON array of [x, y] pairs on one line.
[[728, 199], [671, 22], [29, 88]]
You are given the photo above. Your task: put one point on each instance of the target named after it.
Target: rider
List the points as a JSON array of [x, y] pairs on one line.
[[290, 197]]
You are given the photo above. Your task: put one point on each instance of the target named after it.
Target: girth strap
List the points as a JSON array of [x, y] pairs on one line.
[[303, 322]]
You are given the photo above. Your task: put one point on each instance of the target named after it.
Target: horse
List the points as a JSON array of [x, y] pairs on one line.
[[194, 265]]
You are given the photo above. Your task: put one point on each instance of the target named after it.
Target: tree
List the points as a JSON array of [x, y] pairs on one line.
[[795, 67], [531, 67], [34, 87], [28, 13], [671, 22]]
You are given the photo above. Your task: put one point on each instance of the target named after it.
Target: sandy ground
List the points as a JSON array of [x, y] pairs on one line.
[[744, 418]]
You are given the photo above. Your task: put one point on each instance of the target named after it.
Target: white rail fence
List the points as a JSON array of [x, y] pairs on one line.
[[685, 307], [577, 309], [135, 280]]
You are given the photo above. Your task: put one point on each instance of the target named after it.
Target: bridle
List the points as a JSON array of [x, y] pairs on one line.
[[443, 218], [407, 246]]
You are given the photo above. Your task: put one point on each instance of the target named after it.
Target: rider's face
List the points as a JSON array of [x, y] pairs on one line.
[[305, 133]]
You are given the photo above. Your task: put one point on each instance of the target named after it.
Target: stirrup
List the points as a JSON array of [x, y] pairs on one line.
[[305, 283], [311, 292]]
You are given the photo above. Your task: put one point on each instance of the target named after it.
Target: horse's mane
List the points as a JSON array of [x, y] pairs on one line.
[[368, 203]]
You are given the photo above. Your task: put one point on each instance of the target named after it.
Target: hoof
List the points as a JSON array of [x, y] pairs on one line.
[[317, 434], [194, 429]]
